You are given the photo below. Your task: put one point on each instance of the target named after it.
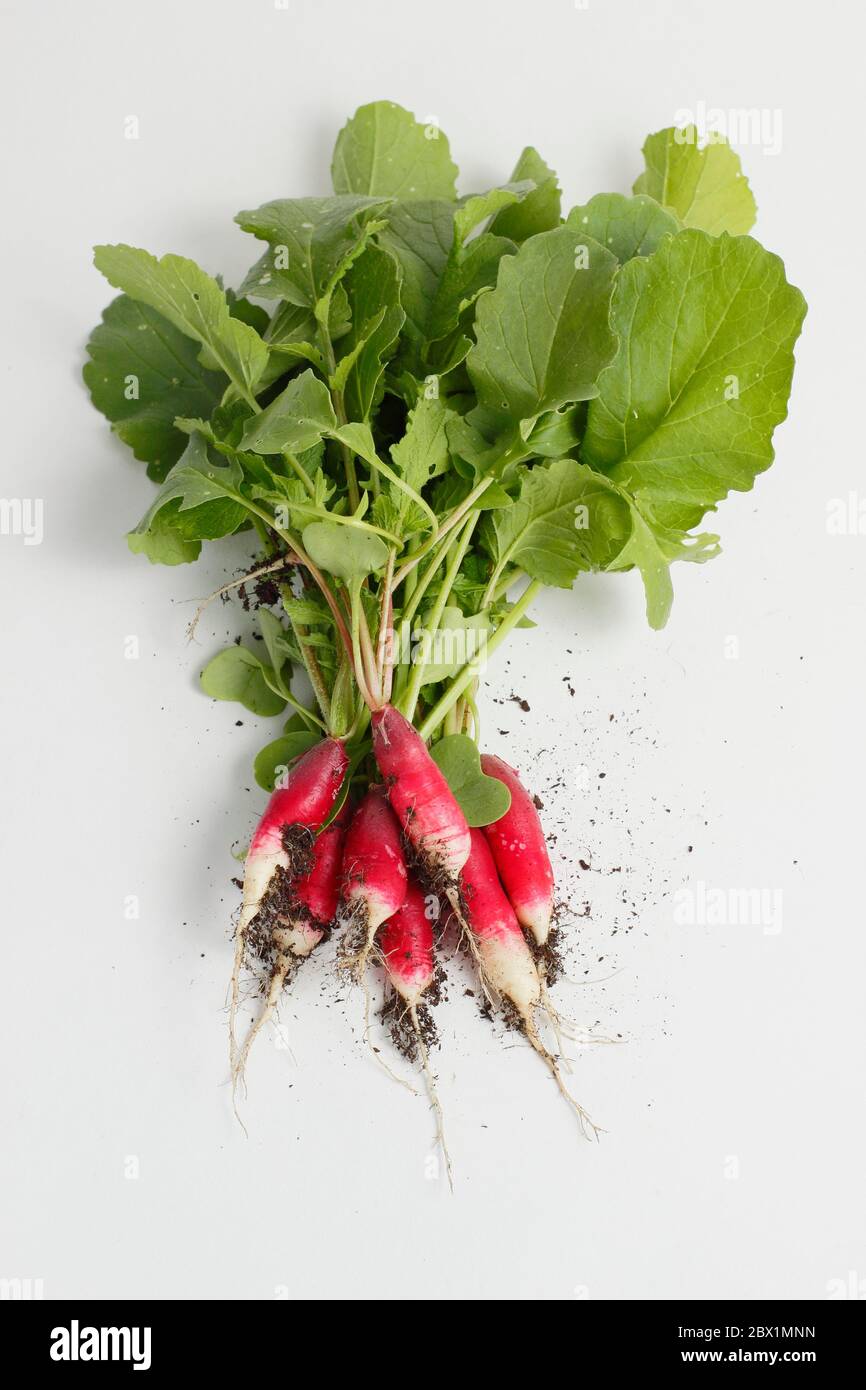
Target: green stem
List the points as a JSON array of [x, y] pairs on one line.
[[451, 521], [339, 406], [469, 672], [308, 656], [410, 700], [300, 472], [357, 657]]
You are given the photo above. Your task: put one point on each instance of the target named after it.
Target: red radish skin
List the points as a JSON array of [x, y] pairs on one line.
[[301, 929], [406, 943], [374, 874], [520, 853], [317, 891], [431, 819], [312, 787], [504, 957], [306, 800]]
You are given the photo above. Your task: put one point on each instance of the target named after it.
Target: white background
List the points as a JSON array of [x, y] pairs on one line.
[[734, 1154]]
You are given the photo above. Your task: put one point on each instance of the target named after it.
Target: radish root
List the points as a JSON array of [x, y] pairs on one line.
[[432, 1093]]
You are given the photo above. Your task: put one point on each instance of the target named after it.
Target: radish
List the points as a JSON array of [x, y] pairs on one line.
[[300, 921], [406, 946], [281, 853], [432, 821], [503, 956], [374, 875], [304, 802], [520, 853]]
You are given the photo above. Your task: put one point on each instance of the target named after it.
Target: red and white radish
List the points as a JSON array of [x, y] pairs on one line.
[[306, 801], [504, 958], [520, 853], [431, 819], [282, 856], [300, 923], [406, 945], [374, 875]]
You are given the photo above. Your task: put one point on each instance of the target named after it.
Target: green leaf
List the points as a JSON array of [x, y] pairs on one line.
[[468, 273], [651, 551], [383, 151], [705, 186], [163, 544], [143, 373], [722, 319], [422, 453], [343, 551], [538, 211], [419, 235], [459, 638], [313, 241], [542, 335], [556, 433], [373, 289], [275, 757], [278, 646], [237, 674], [565, 519], [205, 501], [193, 302], [295, 420], [479, 797], [626, 226], [478, 207]]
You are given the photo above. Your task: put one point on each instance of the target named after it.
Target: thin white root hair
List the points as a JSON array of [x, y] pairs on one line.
[[226, 588], [557, 1023], [401, 1080], [490, 993], [235, 998], [433, 1094], [588, 1127], [282, 966]]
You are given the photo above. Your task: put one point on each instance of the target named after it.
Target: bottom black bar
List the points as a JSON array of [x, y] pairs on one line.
[[152, 1338]]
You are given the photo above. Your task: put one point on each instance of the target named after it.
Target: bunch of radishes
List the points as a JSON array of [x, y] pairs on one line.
[[428, 407], [390, 872]]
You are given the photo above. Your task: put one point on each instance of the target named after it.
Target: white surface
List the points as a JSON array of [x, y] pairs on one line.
[[120, 779]]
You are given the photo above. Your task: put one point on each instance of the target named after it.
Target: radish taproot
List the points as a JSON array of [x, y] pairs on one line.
[[295, 923], [431, 819], [406, 946], [520, 853], [504, 959], [374, 876], [282, 855]]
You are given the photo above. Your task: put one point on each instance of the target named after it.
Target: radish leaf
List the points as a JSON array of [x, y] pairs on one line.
[[313, 241], [237, 674], [626, 226], [722, 319], [539, 210], [542, 335], [349, 554], [482, 799], [143, 372], [382, 149], [295, 420], [705, 186], [192, 301]]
